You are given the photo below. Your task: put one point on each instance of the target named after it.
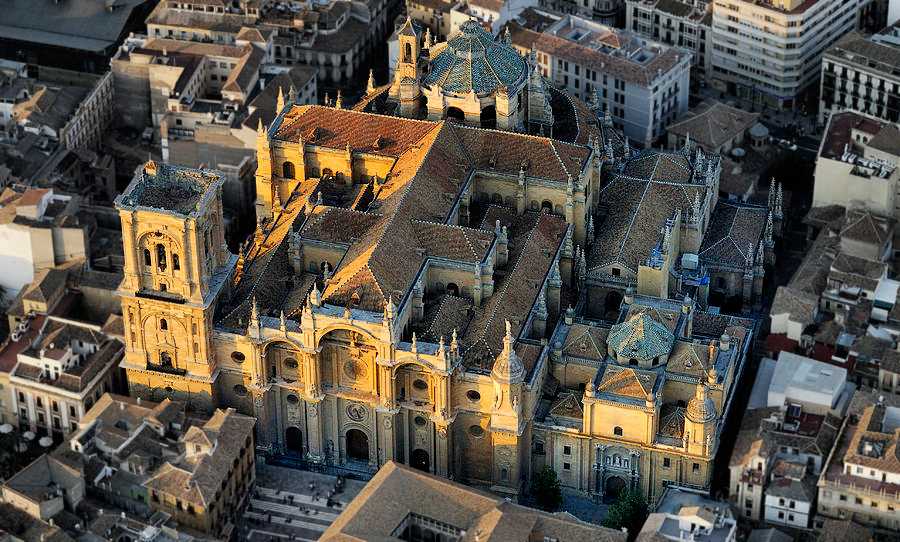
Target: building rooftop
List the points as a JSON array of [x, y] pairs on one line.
[[621, 54], [44, 479], [399, 497], [810, 382], [712, 124], [91, 25], [168, 187]]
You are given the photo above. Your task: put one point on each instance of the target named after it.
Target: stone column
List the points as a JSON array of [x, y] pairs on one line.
[[314, 428]]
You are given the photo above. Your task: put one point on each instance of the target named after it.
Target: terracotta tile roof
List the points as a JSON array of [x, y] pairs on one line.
[[398, 492], [712, 124], [733, 230]]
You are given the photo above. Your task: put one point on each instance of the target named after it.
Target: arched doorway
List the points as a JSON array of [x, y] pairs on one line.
[[614, 487], [489, 117], [293, 440], [546, 206], [456, 113], [452, 289], [357, 445], [419, 460]]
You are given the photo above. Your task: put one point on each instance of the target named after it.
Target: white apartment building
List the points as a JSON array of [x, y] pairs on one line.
[[602, 11], [862, 74], [768, 52], [643, 84], [682, 23]]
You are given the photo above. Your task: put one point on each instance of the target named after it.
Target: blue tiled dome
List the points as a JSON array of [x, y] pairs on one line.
[[640, 337], [472, 60]]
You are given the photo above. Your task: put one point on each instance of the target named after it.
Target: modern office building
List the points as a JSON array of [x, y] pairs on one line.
[[768, 53]]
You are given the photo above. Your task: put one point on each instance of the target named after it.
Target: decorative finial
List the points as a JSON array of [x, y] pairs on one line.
[[279, 102]]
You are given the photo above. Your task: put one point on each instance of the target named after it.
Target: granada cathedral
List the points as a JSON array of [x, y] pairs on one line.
[[473, 302]]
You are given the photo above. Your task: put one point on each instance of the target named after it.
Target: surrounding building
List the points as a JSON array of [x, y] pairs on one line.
[[716, 128], [44, 488], [336, 38], [402, 503], [861, 480], [607, 12], [682, 514], [769, 53], [77, 35], [196, 472], [682, 23], [785, 438], [862, 74], [470, 320], [644, 84], [39, 229], [59, 376], [857, 165]]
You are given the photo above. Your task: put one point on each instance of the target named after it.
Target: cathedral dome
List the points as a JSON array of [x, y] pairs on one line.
[[640, 337], [700, 408], [472, 60]]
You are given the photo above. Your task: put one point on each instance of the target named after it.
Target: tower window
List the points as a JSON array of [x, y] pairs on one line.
[[163, 325], [161, 257], [407, 57], [165, 359], [176, 264], [147, 260], [287, 170], [617, 431]]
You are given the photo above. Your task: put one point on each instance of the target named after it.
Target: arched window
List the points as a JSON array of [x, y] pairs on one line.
[[165, 359], [287, 170], [176, 265], [617, 431], [547, 206], [407, 53], [163, 325], [161, 257], [147, 259]]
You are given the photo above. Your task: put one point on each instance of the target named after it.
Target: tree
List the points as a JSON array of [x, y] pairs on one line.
[[629, 511], [545, 489]]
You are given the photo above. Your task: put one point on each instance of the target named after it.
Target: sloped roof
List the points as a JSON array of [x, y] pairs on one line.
[[640, 337]]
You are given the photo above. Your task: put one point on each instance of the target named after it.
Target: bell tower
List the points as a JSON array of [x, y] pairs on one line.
[[176, 264], [408, 74], [507, 420]]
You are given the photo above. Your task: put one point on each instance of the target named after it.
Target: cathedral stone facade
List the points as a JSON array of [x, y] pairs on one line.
[[416, 291]]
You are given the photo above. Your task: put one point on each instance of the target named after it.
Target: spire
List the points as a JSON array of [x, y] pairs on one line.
[[339, 102], [507, 38], [582, 268], [508, 368], [254, 325], [315, 297], [760, 254], [590, 229], [749, 256], [370, 86], [390, 309], [427, 43], [454, 343], [292, 94], [568, 244], [555, 280], [695, 208], [279, 102], [687, 144], [778, 202], [442, 350], [415, 344], [541, 309], [772, 194], [282, 323], [260, 131], [769, 228]]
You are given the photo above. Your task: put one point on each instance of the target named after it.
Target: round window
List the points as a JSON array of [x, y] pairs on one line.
[[240, 390], [420, 384], [420, 421], [293, 399], [473, 395], [476, 431], [290, 363], [238, 357]]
